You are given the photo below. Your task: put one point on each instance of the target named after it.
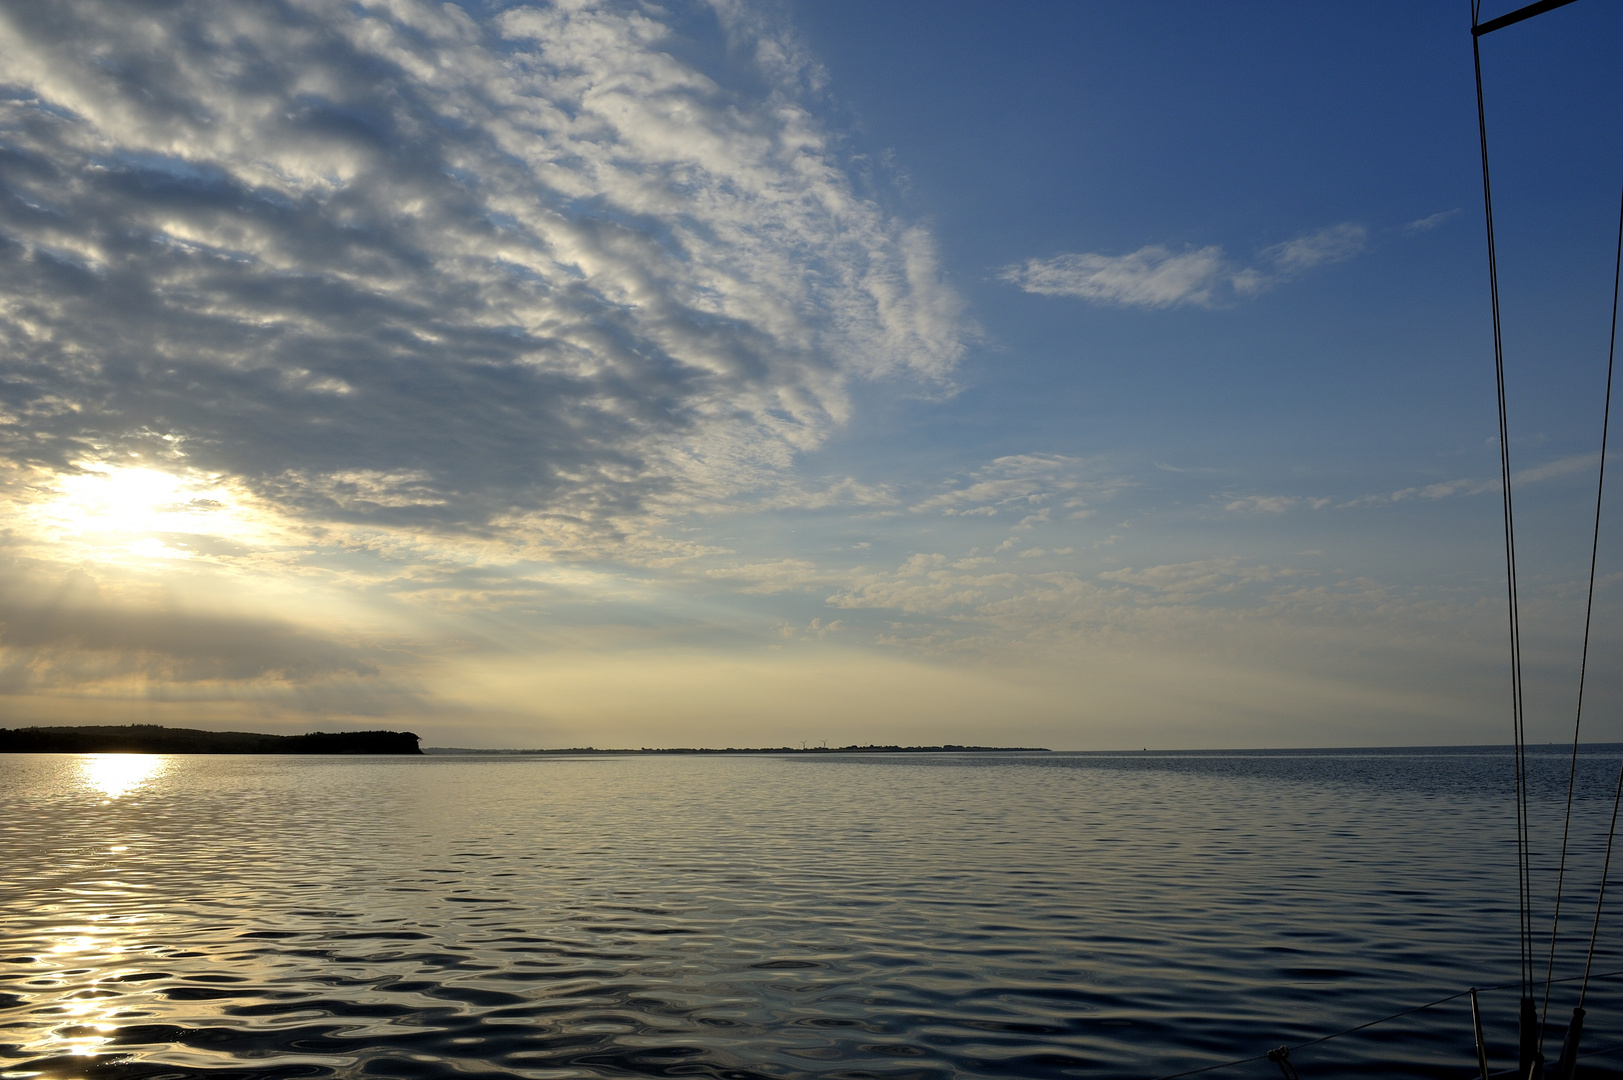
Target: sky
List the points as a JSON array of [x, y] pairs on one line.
[[1088, 376]]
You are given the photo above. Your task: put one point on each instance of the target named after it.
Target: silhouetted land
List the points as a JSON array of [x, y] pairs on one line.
[[153, 739], [948, 748]]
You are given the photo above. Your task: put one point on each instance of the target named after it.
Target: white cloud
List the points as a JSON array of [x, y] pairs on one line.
[[1426, 224], [1151, 277], [1158, 277], [1337, 243], [1552, 470]]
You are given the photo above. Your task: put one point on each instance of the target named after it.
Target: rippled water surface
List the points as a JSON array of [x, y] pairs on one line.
[[830, 916]]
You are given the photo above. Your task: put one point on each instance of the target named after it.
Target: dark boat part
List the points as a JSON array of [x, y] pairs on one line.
[[1569, 1046], [1530, 1064], [1517, 16], [1282, 1058], [1481, 1045]]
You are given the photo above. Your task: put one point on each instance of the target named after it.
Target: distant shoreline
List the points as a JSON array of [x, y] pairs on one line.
[[592, 751], [156, 739], [950, 748]]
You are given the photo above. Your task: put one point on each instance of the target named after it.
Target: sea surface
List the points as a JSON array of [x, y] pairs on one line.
[[840, 916]]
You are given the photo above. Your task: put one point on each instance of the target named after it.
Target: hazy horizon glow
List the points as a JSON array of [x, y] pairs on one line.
[[749, 374]]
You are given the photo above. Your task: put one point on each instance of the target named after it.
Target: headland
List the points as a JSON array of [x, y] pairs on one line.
[[154, 739]]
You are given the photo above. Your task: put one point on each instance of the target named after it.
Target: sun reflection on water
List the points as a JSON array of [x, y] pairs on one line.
[[86, 1021], [116, 775], [91, 951]]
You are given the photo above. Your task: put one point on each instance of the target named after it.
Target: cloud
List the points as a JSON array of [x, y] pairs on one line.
[[74, 636], [1028, 484], [1337, 243], [1552, 470], [1426, 224], [932, 584], [925, 583], [1151, 277], [1443, 489], [817, 628], [1158, 277], [776, 576], [392, 265], [1275, 504], [939, 606], [1194, 580], [834, 492]]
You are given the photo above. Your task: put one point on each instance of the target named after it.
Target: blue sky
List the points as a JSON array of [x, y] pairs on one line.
[[1076, 375]]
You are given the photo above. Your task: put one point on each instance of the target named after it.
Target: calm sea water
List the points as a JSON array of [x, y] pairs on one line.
[[881, 916]]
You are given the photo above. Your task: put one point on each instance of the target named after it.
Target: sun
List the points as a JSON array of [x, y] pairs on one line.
[[137, 512]]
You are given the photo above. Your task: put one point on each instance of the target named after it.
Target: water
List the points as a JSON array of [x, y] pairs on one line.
[[887, 916]]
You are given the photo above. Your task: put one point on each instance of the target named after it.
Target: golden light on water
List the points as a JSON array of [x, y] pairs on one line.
[[74, 945], [87, 959], [87, 1022], [116, 775]]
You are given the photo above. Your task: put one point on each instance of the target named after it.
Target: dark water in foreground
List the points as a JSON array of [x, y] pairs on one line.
[[889, 916]]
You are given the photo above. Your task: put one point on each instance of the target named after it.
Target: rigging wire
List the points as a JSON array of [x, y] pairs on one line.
[[1606, 866], [1617, 795], [1523, 868], [1518, 713], [1583, 662]]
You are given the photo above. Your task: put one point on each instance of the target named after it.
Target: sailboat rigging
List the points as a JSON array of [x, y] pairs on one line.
[[1533, 1020], [1533, 1015]]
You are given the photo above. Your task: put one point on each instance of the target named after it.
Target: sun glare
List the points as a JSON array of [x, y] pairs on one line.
[[116, 775], [141, 512]]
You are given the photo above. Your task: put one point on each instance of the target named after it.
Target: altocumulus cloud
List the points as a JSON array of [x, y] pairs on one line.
[[1158, 277], [383, 262]]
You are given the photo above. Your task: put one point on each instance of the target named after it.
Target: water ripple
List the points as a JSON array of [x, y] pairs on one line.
[[879, 917]]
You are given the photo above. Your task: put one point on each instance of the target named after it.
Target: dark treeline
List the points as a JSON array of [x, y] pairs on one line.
[[154, 739]]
